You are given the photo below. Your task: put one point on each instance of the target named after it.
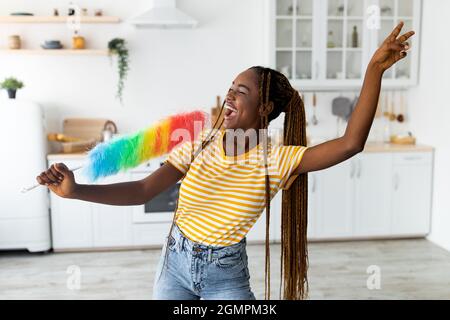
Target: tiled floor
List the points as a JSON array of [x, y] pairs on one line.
[[409, 269]]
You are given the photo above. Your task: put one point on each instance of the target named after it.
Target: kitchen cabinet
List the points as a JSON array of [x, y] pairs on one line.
[[372, 176], [335, 188], [411, 196], [111, 223], [373, 195], [71, 220], [327, 44]]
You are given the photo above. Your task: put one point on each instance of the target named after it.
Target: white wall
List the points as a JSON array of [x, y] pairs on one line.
[[430, 110], [171, 70]]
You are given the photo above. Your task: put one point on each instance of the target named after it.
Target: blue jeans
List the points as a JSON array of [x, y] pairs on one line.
[[195, 271]]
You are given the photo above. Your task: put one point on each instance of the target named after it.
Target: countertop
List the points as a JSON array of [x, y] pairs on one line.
[[370, 147]]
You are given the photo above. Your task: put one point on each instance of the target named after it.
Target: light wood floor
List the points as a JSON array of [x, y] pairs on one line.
[[410, 269]]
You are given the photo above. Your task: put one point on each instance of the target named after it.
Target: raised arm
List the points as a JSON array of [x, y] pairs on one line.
[[60, 180], [332, 152]]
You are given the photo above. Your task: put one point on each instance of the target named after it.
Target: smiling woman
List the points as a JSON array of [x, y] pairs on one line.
[[221, 199]]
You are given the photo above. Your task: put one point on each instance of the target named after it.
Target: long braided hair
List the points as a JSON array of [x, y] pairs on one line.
[[276, 96]]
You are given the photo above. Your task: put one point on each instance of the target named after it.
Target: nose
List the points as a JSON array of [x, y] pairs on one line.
[[230, 95]]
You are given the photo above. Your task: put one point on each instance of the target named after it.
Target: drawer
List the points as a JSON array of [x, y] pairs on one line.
[[408, 158]]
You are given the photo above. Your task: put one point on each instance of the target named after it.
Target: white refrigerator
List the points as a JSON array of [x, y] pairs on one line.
[[24, 217]]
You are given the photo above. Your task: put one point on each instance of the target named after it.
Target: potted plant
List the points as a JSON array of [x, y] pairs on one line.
[[11, 85], [118, 46]]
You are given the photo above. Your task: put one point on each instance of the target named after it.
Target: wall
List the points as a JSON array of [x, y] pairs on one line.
[[171, 70], [430, 112]]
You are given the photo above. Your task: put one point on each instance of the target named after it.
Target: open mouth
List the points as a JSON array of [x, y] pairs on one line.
[[230, 112]]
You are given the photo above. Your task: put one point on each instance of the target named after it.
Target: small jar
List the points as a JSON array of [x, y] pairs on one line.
[[14, 42], [78, 42]]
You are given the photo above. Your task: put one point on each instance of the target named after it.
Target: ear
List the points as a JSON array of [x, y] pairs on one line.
[[266, 108]]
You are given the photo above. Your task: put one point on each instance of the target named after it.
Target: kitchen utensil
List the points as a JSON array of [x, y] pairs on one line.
[[392, 116], [342, 107], [109, 130], [385, 106], [401, 115], [314, 120]]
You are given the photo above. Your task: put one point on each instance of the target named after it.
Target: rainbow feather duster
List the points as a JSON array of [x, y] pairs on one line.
[[123, 153]]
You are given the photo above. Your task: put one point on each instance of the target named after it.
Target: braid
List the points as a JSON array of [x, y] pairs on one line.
[[294, 257], [266, 109]]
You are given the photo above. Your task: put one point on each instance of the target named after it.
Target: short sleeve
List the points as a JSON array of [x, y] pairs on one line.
[[288, 158], [181, 155]]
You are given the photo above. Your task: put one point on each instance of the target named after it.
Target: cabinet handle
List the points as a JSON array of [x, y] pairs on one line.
[[396, 181]]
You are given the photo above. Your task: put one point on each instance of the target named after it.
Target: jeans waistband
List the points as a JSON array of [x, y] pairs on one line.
[[184, 242]]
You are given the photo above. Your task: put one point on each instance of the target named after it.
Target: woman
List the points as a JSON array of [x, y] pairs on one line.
[[227, 182]]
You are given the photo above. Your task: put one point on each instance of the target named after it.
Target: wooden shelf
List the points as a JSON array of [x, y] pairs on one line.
[[57, 52], [57, 19]]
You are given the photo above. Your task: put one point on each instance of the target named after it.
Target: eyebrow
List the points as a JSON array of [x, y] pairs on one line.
[[242, 85]]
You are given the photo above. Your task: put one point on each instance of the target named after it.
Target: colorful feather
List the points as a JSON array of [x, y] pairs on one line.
[[123, 153]]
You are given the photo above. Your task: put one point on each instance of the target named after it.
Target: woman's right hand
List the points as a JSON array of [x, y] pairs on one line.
[[59, 179]]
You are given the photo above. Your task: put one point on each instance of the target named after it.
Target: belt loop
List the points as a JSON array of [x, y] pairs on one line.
[[183, 239], [209, 254]]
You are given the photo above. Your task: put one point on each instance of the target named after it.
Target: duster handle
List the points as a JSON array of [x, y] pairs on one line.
[[25, 190]]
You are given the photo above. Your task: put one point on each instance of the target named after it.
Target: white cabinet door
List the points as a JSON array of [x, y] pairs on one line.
[[411, 198], [373, 178], [314, 204], [336, 196], [71, 219], [112, 224]]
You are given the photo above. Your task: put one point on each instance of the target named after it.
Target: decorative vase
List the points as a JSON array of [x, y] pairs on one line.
[[12, 93]]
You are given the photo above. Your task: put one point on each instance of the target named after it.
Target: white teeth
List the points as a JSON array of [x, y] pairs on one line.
[[230, 107]]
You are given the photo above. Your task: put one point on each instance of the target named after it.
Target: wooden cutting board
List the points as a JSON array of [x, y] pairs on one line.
[[84, 128]]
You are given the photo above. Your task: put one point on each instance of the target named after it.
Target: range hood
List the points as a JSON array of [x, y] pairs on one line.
[[163, 14]]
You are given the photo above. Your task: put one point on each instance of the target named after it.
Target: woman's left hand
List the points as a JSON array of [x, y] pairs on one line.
[[392, 49]]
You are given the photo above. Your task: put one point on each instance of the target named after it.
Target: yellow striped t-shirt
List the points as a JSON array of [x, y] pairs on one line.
[[221, 197]]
